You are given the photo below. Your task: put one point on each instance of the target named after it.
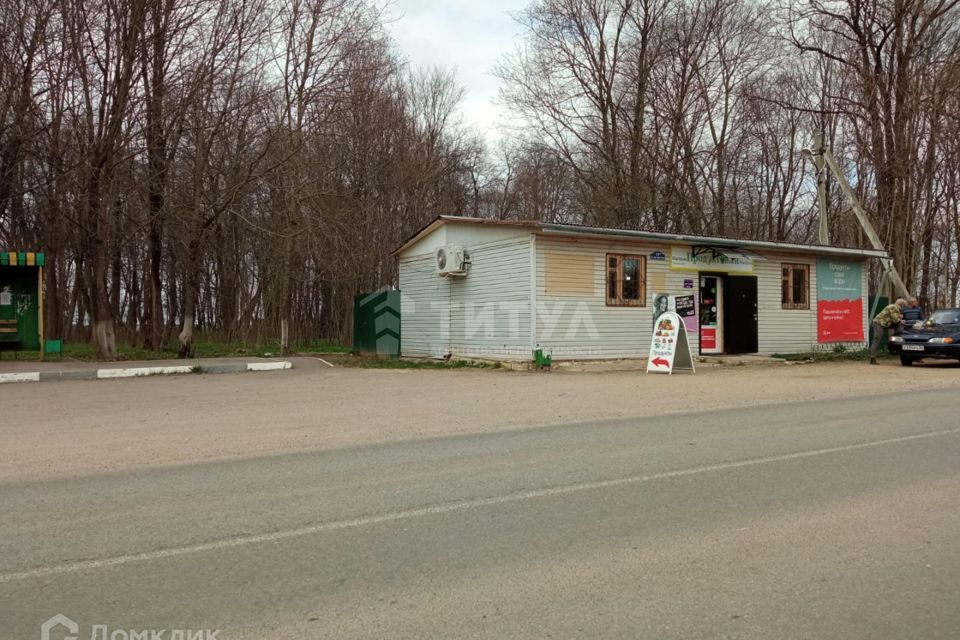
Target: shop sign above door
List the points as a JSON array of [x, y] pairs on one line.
[[704, 258]]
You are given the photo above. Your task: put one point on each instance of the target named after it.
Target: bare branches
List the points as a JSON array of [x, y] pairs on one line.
[[240, 166], [246, 166], [695, 124]]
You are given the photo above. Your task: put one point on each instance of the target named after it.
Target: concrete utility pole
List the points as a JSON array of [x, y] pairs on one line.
[[823, 232], [821, 154]]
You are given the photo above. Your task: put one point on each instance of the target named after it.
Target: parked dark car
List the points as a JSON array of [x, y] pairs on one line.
[[937, 337]]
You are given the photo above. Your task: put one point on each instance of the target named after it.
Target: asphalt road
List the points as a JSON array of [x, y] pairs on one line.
[[839, 519]]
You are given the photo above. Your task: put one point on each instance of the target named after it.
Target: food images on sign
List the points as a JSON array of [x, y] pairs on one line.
[[669, 347], [664, 337]]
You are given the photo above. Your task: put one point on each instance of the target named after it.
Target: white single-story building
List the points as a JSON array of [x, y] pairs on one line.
[[479, 288]]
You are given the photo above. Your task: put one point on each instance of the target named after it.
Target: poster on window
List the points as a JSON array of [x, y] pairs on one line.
[[839, 301], [686, 308], [661, 305], [683, 306]]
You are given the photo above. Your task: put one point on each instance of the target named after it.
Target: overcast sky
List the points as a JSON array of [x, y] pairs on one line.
[[467, 35]]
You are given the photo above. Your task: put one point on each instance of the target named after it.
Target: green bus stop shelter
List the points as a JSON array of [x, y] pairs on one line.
[[21, 301]]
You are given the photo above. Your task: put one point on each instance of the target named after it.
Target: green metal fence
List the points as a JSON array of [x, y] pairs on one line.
[[376, 323]]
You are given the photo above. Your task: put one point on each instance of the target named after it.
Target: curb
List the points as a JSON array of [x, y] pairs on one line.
[[137, 372]]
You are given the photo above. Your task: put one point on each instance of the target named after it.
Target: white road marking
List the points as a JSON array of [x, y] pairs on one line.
[[453, 507], [324, 362]]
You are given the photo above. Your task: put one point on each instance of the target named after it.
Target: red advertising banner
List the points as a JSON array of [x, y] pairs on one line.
[[840, 320], [839, 301]]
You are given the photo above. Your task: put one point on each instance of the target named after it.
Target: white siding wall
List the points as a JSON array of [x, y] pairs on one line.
[[484, 314], [488, 312], [490, 307], [424, 320], [472, 235], [789, 330], [784, 330], [428, 244], [582, 325]]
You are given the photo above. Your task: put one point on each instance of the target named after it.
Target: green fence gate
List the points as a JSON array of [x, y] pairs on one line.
[[376, 323]]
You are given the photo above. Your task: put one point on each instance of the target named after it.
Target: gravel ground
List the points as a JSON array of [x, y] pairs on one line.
[[59, 429]]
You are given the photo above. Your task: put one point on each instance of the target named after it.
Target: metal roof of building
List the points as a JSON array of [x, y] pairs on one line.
[[583, 231]]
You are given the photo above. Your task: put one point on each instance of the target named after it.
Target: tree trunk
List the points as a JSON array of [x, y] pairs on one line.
[[105, 338], [154, 331], [185, 338], [284, 336]]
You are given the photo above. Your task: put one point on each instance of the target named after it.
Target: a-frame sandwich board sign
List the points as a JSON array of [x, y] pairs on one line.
[[669, 346]]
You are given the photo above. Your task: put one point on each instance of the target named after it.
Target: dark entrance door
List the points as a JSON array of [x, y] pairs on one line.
[[740, 326]]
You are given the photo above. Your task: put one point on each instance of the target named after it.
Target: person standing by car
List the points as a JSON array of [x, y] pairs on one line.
[[888, 319], [913, 313]]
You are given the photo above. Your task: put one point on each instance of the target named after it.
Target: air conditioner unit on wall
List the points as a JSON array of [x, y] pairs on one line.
[[451, 261]]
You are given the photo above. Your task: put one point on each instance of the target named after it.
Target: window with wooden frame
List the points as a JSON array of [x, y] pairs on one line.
[[626, 280], [796, 286]]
